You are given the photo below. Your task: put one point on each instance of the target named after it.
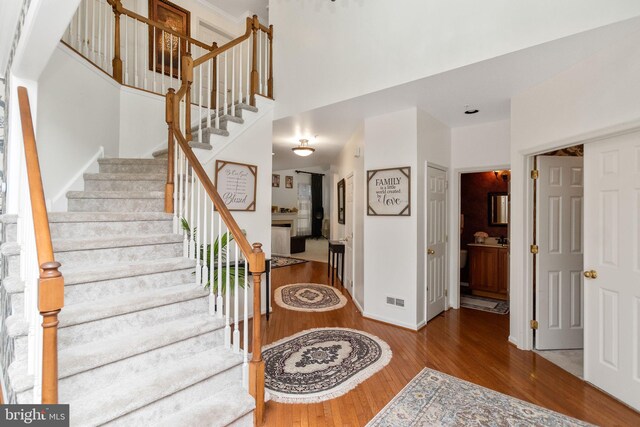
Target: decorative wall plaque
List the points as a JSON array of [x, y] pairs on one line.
[[389, 192], [236, 184]]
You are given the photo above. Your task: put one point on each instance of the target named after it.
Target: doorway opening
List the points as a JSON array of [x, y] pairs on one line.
[[558, 217], [484, 241]]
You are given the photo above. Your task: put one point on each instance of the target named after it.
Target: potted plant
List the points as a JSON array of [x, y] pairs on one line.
[[220, 252]]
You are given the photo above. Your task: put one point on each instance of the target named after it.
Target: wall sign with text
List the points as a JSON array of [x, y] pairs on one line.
[[389, 192], [236, 184]]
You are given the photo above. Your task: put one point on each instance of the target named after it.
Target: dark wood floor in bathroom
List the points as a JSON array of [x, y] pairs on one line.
[[468, 344]]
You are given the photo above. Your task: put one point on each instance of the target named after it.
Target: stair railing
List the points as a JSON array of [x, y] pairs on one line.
[[44, 284], [229, 76], [217, 83], [134, 50]]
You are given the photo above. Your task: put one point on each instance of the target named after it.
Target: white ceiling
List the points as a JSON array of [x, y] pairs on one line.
[[239, 8], [487, 85]]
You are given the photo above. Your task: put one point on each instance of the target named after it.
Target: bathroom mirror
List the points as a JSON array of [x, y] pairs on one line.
[[498, 209]]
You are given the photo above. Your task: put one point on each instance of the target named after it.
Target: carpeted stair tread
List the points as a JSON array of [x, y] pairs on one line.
[[10, 248], [220, 409], [13, 285], [91, 311], [66, 245], [119, 161], [60, 217], [192, 144], [85, 357], [97, 273], [108, 176], [115, 195], [146, 387]]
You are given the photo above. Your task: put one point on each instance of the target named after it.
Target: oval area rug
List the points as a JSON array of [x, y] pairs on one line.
[[321, 364], [309, 297]]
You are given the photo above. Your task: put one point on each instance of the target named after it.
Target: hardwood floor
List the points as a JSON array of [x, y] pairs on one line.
[[468, 344]]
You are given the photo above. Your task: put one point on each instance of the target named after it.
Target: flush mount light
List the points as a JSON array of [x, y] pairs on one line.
[[303, 149], [468, 110]]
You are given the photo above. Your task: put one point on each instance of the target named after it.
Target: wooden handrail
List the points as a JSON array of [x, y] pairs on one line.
[[51, 282], [217, 51], [252, 253]]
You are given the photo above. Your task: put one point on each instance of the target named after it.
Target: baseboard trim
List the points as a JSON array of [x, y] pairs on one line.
[[386, 321]]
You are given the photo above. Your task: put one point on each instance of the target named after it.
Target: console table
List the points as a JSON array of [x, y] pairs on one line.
[[336, 250]]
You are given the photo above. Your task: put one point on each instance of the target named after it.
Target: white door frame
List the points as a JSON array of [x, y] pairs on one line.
[[353, 230], [522, 308], [454, 229], [447, 199]]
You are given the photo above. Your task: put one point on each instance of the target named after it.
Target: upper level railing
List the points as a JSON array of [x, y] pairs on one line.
[[44, 286]]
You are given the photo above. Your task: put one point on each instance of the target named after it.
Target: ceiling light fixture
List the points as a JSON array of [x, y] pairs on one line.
[[468, 110], [303, 149]]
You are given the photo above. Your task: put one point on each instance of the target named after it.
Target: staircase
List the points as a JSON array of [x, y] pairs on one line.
[[137, 345]]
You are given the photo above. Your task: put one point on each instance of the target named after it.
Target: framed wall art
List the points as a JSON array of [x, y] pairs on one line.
[[341, 201], [166, 49], [389, 192], [275, 180], [288, 181], [236, 184]]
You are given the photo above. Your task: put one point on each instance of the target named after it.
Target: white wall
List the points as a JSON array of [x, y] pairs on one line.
[[594, 98], [332, 51], [347, 163], [434, 148], [390, 258], [473, 149], [143, 128], [78, 112]]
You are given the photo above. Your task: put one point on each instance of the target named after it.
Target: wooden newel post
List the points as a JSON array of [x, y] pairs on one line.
[[117, 61], [270, 80], [254, 60], [214, 79], [187, 76], [168, 189], [256, 366], [50, 302]]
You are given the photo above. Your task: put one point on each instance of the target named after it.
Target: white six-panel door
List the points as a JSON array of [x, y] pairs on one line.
[[559, 287], [436, 217], [612, 262]]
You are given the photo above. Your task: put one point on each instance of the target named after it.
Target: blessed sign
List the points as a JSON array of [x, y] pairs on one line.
[[389, 192], [236, 184]]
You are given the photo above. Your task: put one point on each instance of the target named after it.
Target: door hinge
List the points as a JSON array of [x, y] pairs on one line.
[[533, 249], [534, 324], [535, 174]]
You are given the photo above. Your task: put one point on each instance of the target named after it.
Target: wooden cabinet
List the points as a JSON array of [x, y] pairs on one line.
[[489, 271]]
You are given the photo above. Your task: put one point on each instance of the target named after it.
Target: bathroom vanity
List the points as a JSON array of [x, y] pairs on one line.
[[489, 270]]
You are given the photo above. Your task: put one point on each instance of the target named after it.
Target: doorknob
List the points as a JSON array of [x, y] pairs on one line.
[[591, 274], [431, 251]]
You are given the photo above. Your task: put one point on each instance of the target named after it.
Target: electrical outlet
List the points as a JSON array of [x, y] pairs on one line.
[[399, 302], [391, 301]]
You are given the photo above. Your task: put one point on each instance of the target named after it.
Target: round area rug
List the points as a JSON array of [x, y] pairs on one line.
[[309, 297], [322, 364]]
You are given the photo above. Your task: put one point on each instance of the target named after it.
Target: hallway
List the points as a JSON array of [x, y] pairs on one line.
[[468, 344]]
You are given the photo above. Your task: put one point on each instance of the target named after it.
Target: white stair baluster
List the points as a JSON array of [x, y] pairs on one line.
[[245, 328], [217, 77], [219, 300], [135, 53], [162, 73], [205, 257], [176, 186], [248, 79], [212, 265], [233, 81], [200, 105], [196, 238], [209, 94], [154, 59], [236, 291], [226, 85], [192, 244], [227, 293]]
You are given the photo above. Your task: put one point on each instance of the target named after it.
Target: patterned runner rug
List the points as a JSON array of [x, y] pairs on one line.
[[436, 399], [484, 304], [321, 364], [284, 261], [309, 297]]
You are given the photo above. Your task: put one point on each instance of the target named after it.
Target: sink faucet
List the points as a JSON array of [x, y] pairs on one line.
[[503, 240]]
